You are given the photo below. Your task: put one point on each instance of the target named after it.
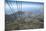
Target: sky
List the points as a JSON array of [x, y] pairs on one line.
[[26, 6]]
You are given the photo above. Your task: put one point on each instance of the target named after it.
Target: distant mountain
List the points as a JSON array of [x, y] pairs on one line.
[[14, 16]]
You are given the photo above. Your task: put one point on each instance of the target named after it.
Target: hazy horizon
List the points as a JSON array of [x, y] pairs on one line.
[[26, 6]]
